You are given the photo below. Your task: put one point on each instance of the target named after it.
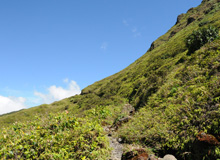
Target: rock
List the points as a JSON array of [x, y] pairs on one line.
[[168, 157], [124, 120], [152, 46], [128, 109], [119, 140], [207, 138], [172, 34], [118, 123], [137, 154], [209, 7], [204, 1], [106, 129], [190, 20], [85, 91], [117, 151], [179, 18], [142, 156], [190, 10], [66, 107]]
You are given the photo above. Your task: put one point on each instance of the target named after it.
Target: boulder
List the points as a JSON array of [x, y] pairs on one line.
[[137, 154], [168, 157], [207, 138], [118, 123]]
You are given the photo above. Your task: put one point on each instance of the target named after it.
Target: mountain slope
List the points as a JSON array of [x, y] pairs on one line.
[[175, 94], [147, 73]]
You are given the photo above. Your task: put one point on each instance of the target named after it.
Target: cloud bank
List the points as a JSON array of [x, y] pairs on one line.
[[57, 93], [54, 93], [9, 104]]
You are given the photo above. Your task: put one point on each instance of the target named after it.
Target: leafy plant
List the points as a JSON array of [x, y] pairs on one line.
[[200, 37], [58, 136]]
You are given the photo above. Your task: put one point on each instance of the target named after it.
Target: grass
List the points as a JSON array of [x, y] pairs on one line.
[[176, 95], [57, 136]]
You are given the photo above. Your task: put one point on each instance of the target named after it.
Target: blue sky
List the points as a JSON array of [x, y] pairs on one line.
[[51, 49]]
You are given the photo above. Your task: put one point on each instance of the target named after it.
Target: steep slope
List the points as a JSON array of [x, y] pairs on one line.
[[176, 95], [143, 78]]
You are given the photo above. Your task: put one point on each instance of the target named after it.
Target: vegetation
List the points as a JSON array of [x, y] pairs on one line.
[[58, 136], [181, 108], [176, 97], [200, 37]]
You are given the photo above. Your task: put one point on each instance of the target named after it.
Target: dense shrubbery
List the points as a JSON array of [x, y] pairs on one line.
[[200, 37], [58, 136], [187, 104]]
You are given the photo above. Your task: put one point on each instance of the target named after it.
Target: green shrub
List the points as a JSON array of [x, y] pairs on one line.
[[58, 136], [200, 37]]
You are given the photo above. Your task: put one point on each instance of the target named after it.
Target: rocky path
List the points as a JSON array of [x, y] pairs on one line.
[[117, 149], [115, 145]]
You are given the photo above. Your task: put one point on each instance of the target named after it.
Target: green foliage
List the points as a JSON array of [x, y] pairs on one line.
[[187, 103], [101, 114], [59, 136], [175, 96], [200, 37], [27, 114]]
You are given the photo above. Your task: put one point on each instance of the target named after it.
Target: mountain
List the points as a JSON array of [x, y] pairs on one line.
[[175, 93]]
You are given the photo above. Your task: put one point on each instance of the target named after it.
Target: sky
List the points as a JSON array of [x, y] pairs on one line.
[[52, 49]]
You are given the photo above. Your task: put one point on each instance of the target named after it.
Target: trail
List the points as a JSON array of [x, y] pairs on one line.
[[117, 149], [115, 145]]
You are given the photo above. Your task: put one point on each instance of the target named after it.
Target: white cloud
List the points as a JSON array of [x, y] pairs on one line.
[[9, 104], [66, 80], [125, 22], [136, 33], [104, 46], [134, 30], [57, 93]]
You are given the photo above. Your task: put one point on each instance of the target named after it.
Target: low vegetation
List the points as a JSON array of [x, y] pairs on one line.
[[185, 105], [174, 89], [57, 136]]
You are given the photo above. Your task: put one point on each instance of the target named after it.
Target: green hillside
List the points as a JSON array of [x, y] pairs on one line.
[[175, 94]]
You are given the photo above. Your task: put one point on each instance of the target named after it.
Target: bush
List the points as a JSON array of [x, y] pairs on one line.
[[200, 37], [58, 136]]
